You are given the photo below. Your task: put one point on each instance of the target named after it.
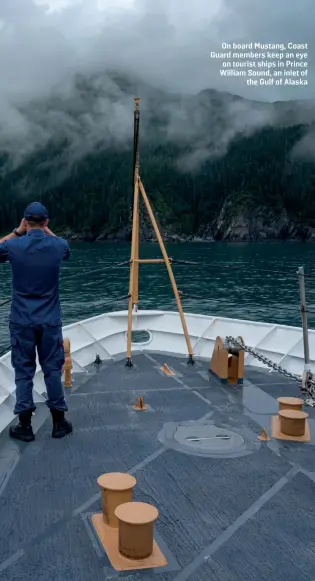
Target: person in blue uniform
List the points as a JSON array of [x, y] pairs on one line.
[[35, 255]]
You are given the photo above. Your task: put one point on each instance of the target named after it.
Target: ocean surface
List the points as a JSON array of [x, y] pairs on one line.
[[255, 281]]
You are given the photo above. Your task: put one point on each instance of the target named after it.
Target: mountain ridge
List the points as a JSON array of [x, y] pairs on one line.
[[215, 166]]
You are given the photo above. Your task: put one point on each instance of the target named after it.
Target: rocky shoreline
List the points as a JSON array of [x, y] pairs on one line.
[[237, 229], [177, 238]]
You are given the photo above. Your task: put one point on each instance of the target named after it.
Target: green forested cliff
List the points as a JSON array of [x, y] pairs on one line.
[[248, 185]]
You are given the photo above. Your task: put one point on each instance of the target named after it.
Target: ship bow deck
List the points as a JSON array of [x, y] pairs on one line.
[[231, 507]]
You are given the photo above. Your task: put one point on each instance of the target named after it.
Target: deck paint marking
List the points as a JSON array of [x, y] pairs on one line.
[[11, 560], [93, 538], [309, 474], [11, 453], [78, 511], [86, 505], [273, 384], [7, 466], [238, 523], [206, 400], [180, 382], [146, 461], [172, 563], [130, 391], [68, 516], [151, 359], [205, 375], [133, 470], [196, 364]]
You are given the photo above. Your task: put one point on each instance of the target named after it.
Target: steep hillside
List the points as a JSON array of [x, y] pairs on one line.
[[215, 166]]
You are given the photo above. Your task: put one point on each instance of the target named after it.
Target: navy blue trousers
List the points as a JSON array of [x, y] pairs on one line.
[[48, 342]]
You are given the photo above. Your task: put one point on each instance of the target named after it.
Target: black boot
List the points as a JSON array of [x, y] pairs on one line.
[[23, 431], [61, 426]]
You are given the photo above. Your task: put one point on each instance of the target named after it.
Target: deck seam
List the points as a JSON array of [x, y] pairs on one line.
[[12, 559], [235, 526], [181, 382], [10, 469], [223, 537], [132, 391]]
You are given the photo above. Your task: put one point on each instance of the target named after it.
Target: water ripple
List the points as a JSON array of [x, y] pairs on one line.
[[262, 284]]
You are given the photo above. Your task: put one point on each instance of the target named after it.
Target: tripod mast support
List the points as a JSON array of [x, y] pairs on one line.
[[134, 258]]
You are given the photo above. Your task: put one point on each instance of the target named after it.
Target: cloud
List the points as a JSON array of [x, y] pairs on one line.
[[44, 44], [305, 149]]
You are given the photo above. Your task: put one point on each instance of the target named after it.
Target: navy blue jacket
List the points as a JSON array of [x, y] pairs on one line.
[[35, 260]]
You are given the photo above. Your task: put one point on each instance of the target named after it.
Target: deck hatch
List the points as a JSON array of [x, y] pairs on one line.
[[207, 439]]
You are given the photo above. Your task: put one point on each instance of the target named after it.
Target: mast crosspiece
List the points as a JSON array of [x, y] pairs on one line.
[[134, 258]]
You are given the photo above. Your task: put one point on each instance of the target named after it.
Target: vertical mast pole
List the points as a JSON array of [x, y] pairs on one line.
[[304, 315], [134, 265]]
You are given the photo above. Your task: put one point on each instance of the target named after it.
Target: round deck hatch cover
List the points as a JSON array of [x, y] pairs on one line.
[[208, 438], [204, 438]]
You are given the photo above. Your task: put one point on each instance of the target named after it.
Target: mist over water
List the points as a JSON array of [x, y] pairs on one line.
[[258, 281]]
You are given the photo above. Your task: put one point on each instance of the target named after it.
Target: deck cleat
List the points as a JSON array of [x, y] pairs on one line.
[[263, 436], [165, 368], [139, 405], [98, 360]]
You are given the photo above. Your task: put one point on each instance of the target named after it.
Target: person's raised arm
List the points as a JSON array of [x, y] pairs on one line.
[[66, 247], [49, 232], [19, 231]]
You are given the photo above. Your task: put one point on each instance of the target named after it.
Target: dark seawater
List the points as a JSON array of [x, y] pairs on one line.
[[254, 281]]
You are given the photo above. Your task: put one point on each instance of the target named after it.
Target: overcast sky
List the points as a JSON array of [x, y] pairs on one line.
[[168, 42]]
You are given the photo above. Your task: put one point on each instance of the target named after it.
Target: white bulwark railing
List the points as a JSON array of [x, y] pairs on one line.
[[105, 335]]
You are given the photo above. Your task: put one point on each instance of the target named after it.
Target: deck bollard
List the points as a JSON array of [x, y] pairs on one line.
[[140, 405], [136, 529], [292, 422], [67, 364], [290, 403], [124, 528], [117, 489]]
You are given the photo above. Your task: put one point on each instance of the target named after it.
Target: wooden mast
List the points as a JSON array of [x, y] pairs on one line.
[[134, 258], [134, 266]]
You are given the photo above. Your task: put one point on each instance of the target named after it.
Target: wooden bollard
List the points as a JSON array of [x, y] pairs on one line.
[[117, 489], [292, 422], [290, 403], [67, 364], [136, 529]]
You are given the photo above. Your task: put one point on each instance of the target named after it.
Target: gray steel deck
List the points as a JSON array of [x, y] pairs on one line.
[[241, 518]]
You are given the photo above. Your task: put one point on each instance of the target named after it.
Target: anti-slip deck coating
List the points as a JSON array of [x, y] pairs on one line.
[[220, 518]]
